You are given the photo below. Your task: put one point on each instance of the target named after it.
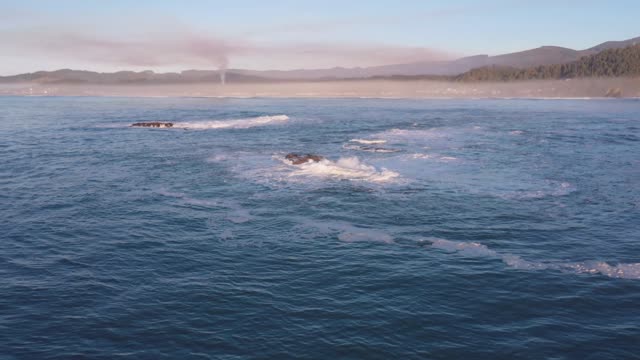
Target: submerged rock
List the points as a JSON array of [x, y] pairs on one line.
[[154, 124], [297, 159], [377, 149]]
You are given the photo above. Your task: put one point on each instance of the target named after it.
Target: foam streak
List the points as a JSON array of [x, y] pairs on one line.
[[233, 123], [474, 249]]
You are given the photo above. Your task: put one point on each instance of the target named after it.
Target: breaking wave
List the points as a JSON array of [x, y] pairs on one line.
[[349, 168], [474, 249], [368, 142], [233, 123]]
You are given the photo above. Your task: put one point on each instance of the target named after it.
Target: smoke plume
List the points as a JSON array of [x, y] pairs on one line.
[[180, 47], [150, 50]]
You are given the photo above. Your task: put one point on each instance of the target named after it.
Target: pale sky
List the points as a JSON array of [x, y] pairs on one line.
[[285, 34]]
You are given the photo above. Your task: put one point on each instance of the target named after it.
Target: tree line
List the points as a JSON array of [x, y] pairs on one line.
[[623, 62]]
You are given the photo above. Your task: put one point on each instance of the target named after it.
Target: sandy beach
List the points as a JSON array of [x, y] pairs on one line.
[[574, 88]]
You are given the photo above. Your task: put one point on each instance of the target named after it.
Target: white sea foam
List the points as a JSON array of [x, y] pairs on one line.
[[421, 156], [437, 157], [368, 148], [346, 232], [369, 141], [622, 271], [516, 132], [399, 134], [226, 234], [218, 158], [448, 158], [349, 168], [474, 249], [200, 202], [380, 150], [167, 193], [233, 123], [440, 137], [239, 215], [354, 234], [552, 188]]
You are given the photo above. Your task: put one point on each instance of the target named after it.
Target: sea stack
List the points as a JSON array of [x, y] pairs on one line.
[[297, 159]]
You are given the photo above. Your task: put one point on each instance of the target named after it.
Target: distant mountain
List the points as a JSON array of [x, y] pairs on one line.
[[417, 68], [546, 55], [67, 76], [613, 62], [614, 45]]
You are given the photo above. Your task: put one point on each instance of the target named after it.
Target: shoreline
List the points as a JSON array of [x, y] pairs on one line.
[[588, 88], [223, 97]]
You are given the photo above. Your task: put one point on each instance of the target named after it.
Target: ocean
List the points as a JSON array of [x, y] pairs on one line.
[[432, 229]]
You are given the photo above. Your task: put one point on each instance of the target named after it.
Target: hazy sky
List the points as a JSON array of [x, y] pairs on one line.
[[263, 34]]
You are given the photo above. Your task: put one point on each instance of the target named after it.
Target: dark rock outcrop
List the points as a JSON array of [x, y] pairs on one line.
[[377, 149], [297, 159], [154, 124]]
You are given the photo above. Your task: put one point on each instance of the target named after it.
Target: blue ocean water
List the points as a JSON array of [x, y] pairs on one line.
[[442, 229]]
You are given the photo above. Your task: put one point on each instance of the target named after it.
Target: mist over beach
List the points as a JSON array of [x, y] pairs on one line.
[[354, 88]]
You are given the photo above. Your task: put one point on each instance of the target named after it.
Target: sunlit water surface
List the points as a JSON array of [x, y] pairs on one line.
[[433, 229]]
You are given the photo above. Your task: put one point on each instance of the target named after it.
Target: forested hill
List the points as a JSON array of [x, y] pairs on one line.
[[623, 62]]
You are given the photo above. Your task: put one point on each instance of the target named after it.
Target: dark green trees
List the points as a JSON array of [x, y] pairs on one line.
[[608, 63]]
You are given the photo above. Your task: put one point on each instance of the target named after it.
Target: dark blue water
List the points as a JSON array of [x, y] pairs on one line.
[[433, 229]]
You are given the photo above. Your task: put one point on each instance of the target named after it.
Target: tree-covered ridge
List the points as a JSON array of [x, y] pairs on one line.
[[622, 62]]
